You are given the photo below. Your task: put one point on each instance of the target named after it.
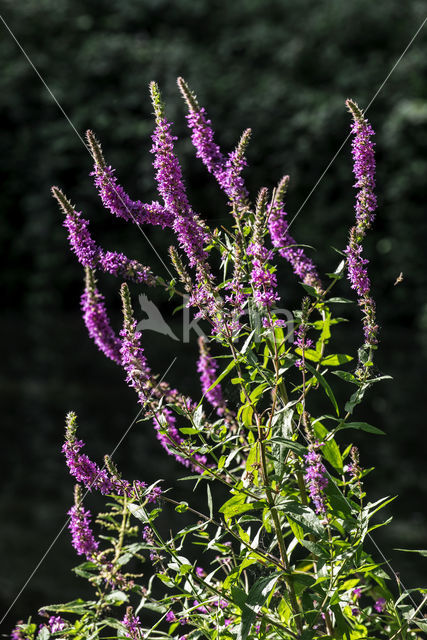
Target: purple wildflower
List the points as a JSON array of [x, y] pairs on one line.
[[82, 536], [200, 607], [200, 572], [207, 367], [226, 170], [120, 204], [56, 623], [18, 633], [366, 203], [90, 474], [356, 593], [133, 625], [263, 281], [287, 247], [315, 478], [230, 178], [203, 140], [380, 605], [140, 378], [116, 199], [355, 611], [170, 616], [90, 255], [186, 225], [96, 320]]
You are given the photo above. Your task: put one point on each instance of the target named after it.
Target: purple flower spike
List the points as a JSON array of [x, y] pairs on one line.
[[287, 247], [91, 475], [133, 625], [207, 367], [356, 593], [263, 281], [56, 623], [18, 633], [379, 605], [191, 235], [203, 140], [97, 322], [366, 203], [115, 198], [82, 536], [315, 478], [140, 378], [90, 255]]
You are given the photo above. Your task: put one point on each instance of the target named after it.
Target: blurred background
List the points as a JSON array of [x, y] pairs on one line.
[[282, 68]]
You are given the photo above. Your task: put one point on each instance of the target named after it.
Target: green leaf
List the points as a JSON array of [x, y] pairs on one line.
[[336, 359], [330, 449], [322, 381], [296, 529], [222, 375], [304, 516], [309, 354], [257, 597], [289, 444], [181, 507], [340, 300], [78, 607], [210, 503], [421, 552], [116, 597], [360, 426], [346, 375]]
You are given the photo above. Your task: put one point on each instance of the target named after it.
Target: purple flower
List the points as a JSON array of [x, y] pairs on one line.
[[200, 572], [207, 367], [356, 593], [170, 616], [88, 473], [187, 227], [140, 378], [364, 171], [120, 204], [133, 625], [380, 605], [117, 264], [287, 247], [56, 623], [97, 322], [355, 611], [315, 478], [226, 170], [203, 140], [356, 265], [200, 607], [82, 536], [366, 203], [84, 470], [90, 255], [230, 178], [18, 633], [263, 281]]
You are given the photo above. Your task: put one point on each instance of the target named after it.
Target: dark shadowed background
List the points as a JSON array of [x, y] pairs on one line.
[[282, 68]]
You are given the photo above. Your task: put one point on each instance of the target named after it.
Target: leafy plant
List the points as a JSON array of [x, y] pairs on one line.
[[285, 555]]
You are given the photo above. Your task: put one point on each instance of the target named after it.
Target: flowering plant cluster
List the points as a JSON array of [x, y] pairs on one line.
[[285, 555]]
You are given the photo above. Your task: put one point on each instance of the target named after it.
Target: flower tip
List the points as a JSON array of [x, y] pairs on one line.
[[188, 95], [355, 110], [95, 149], [156, 100], [281, 190]]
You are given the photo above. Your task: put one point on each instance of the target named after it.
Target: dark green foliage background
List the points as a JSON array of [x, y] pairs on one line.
[[282, 68]]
